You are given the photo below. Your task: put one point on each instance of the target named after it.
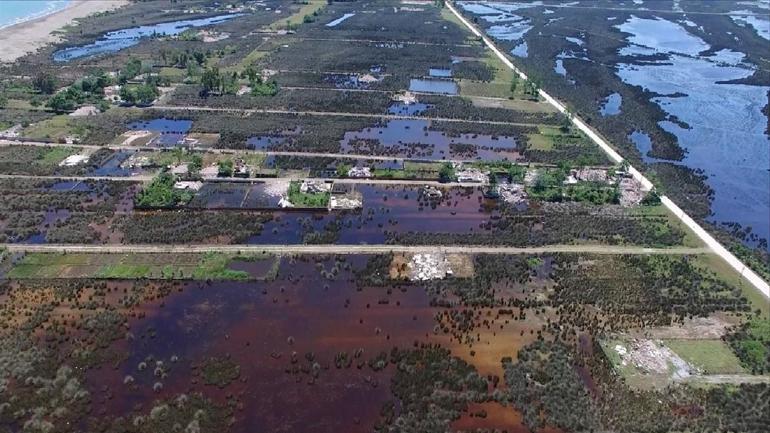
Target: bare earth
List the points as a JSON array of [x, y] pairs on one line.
[[19, 39]]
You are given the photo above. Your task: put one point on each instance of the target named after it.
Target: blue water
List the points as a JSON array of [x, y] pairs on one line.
[[521, 50], [339, 20], [264, 142], [726, 125], [611, 106], [112, 166], [440, 72], [16, 11], [446, 87], [120, 39], [407, 109], [172, 132]]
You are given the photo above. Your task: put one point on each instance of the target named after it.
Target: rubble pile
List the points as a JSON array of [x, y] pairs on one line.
[[314, 186], [512, 193], [428, 266], [360, 172], [471, 174], [631, 192], [654, 358]]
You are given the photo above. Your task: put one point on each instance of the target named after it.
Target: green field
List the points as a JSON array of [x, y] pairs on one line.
[[711, 356], [186, 266]]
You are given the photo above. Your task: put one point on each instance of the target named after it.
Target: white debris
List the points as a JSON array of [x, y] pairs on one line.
[[631, 192], [360, 172], [368, 79], [407, 98], [591, 175], [314, 186], [137, 161], [336, 202], [530, 177], [653, 357], [210, 171], [428, 266], [73, 160], [471, 174], [284, 202], [188, 185], [11, 132], [276, 188], [134, 135], [180, 169], [512, 193], [86, 110], [432, 193], [243, 90]]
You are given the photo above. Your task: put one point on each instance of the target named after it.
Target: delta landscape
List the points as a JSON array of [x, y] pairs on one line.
[[385, 216]]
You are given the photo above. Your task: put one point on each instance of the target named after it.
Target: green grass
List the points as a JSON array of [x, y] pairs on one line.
[[301, 199], [208, 266], [54, 155], [297, 17], [711, 356], [726, 273], [54, 128]]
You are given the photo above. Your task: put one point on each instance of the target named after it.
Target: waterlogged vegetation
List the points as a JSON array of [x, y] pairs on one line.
[[238, 340]]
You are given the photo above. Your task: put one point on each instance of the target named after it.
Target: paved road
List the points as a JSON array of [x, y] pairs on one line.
[[752, 277], [148, 177], [13, 142], [346, 249]]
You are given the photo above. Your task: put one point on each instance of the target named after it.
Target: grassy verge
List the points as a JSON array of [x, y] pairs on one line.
[[208, 266], [308, 8]]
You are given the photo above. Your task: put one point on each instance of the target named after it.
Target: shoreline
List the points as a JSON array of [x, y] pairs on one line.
[[19, 39], [32, 17]]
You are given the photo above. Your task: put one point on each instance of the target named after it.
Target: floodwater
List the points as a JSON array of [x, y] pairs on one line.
[[521, 50], [339, 20], [611, 105], [509, 26], [726, 135], [120, 39], [414, 138], [233, 195], [440, 72], [264, 142], [404, 109], [387, 212], [284, 336], [112, 166], [445, 87], [171, 132]]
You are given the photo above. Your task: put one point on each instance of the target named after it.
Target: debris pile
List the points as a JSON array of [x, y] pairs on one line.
[[471, 174], [652, 357], [631, 192], [314, 187], [345, 202], [432, 193], [512, 193], [188, 185], [428, 266], [591, 175], [360, 172], [73, 160]]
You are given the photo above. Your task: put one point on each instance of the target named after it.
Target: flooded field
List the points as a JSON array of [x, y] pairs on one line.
[[315, 345], [120, 39], [414, 138]]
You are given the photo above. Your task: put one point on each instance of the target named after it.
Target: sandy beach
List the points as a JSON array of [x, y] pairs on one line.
[[19, 39]]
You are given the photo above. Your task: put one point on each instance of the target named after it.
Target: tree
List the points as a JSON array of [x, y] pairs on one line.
[[225, 168], [211, 80], [61, 102], [3, 100], [195, 165], [446, 173], [514, 84], [45, 82], [130, 70]]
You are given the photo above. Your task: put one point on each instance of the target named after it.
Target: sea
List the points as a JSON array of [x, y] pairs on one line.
[[17, 11]]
